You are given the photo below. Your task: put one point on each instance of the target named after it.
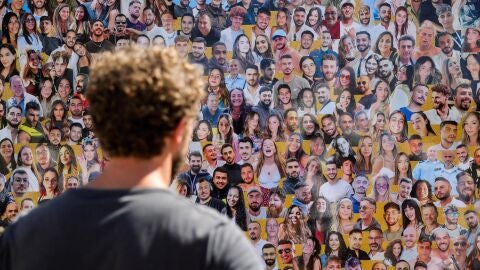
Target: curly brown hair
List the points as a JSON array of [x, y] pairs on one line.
[[139, 96]]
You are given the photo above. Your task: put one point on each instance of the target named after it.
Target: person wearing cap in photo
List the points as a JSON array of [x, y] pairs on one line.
[[442, 255], [280, 48], [451, 221], [255, 200], [303, 197], [347, 25]]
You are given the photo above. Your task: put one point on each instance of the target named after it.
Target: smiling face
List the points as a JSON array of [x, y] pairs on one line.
[[381, 186], [50, 180], [397, 123], [308, 67], [6, 57], [233, 197], [261, 44], [6, 149], [345, 210], [295, 215], [65, 156], [422, 191], [334, 242], [268, 148], [308, 123], [294, 143]]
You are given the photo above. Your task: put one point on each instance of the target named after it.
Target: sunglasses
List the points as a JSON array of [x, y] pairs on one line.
[[453, 214], [362, 82], [287, 251], [345, 76], [460, 244]]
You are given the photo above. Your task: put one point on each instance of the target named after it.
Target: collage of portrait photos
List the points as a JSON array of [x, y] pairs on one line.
[[337, 134]]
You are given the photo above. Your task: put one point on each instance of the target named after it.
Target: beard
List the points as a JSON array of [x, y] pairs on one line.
[[13, 124], [466, 197], [274, 212], [254, 207], [270, 262]]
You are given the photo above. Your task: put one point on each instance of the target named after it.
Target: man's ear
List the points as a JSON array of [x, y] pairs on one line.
[[178, 133]]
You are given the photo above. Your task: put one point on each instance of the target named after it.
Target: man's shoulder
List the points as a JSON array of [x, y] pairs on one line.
[[141, 221], [300, 80]]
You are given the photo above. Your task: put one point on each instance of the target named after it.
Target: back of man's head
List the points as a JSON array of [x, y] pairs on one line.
[[138, 91]]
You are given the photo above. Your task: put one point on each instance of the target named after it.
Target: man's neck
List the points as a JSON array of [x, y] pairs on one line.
[[212, 163], [367, 221], [443, 110], [414, 107], [331, 82], [447, 201], [325, 103], [206, 200], [45, 165], [199, 58], [450, 54], [333, 181], [133, 172], [97, 38], [365, 53], [212, 112], [39, 11], [19, 99], [252, 89], [67, 49], [405, 61], [425, 49], [347, 21], [446, 145], [451, 226], [150, 27], [395, 227], [133, 20], [288, 77], [254, 213], [358, 196]]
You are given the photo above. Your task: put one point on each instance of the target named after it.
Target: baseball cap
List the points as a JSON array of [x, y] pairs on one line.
[[351, 2], [279, 33]]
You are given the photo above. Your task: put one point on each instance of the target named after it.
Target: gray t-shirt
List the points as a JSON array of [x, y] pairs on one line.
[[124, 229]]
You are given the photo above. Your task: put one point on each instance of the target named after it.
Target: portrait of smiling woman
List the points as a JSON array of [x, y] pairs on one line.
[[235, 209]]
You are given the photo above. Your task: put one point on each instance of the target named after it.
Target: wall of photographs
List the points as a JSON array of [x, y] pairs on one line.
[[334, 133]]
